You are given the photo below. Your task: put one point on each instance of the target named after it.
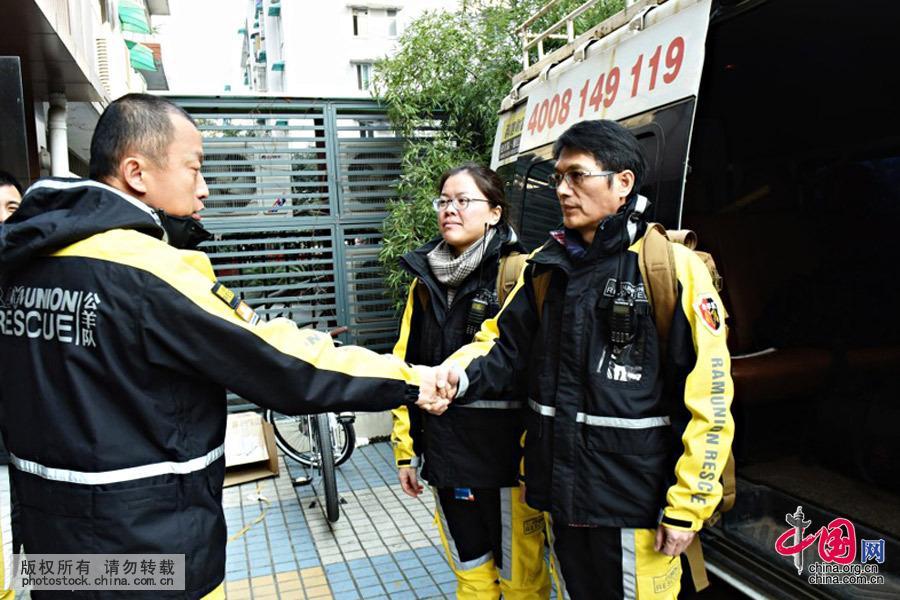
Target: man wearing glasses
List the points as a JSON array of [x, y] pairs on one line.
[[626, 436]]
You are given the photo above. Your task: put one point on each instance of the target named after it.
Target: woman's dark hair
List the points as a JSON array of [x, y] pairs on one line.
[[488, 182]]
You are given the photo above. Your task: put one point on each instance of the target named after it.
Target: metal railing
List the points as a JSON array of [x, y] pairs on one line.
[[536, 40]]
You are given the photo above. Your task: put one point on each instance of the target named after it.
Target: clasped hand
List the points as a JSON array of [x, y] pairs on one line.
[[437, 388]]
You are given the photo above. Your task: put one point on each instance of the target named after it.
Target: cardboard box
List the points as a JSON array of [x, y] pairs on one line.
[[250, 452]]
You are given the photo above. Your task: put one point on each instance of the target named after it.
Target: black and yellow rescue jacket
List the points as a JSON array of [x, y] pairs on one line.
[[116, 351], [476, 445], [614, 435]]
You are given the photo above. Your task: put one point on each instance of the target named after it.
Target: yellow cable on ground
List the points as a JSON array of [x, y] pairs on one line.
[[261, 516]]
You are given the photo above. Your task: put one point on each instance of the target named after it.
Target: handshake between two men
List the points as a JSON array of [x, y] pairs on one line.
[[438, 387]]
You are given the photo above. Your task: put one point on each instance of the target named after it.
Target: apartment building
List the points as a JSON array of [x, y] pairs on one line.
[[323, 49], [61, 63]]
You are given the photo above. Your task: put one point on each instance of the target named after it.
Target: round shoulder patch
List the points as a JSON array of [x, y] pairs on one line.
[[707, 308]]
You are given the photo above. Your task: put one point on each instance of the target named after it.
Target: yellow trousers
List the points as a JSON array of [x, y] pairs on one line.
[[523, 573]]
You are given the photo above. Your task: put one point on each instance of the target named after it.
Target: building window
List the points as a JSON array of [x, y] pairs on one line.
[[391, 22], [360, 17], [363, 74]]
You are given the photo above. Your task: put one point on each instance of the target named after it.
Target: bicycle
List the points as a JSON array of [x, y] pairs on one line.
[[322, 442]]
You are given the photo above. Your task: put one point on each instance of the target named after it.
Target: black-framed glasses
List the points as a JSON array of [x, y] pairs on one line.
[[574, 178], [441, 204]]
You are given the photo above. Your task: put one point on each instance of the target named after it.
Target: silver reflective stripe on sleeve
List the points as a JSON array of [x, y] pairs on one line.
[[598, 421], [621, 423], [547, 411], [118, 475], [496, 404]]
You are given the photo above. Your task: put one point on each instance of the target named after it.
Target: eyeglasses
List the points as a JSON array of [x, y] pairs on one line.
[[574, 178], [441, 204]]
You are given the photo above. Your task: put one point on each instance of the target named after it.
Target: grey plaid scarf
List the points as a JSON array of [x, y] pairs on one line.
[[452, 270]]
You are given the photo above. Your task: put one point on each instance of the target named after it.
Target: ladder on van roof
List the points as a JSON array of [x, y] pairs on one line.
[[532, 40]]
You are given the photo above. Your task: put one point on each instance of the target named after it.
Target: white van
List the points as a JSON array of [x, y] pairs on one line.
[[771, 129]]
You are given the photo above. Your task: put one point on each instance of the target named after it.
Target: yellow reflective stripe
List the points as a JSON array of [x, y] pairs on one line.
[[708, 393], [190, 273]]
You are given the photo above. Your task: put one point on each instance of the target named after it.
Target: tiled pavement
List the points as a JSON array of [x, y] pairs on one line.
[[385, 544]]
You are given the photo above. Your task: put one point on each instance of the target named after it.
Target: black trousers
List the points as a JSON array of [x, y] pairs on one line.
[[474, 524], [613, 563]]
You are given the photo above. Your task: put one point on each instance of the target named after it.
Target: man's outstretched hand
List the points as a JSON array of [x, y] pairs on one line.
[[446, 382], [429, 400], [437, 388]]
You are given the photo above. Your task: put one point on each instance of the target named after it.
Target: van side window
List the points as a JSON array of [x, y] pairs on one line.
[[540, 208]]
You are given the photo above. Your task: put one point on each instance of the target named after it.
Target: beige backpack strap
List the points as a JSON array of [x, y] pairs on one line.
[[685, 237], [508, 273], [694, 555], [657, 265], [540, 284], [729, 485]]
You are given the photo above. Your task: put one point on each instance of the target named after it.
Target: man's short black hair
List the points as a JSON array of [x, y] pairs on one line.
[[133, 123], [612, 146], [8, 179]]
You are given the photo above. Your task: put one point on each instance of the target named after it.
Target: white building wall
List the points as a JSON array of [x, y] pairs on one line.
[[318, 47]]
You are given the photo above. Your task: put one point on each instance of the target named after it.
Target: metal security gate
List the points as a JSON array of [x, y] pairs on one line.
[[298, 193]]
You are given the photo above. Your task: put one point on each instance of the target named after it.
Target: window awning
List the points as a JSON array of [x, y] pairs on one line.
[[133, 17], [141, 56]]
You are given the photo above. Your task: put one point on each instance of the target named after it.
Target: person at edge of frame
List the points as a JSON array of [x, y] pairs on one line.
[[625, 441], [10, 198], [118, 344]]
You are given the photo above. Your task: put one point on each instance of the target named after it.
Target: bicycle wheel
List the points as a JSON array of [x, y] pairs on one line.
[[344, 442], [293, 436], [322, 433]]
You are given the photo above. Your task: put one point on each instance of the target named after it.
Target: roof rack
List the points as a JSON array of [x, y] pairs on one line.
[[531, 40]]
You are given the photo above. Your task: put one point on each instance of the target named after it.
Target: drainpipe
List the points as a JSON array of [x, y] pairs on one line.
[[59, 138]]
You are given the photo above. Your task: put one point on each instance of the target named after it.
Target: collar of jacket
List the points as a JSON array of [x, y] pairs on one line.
[[58, 212], [614, 234], [416, 264]]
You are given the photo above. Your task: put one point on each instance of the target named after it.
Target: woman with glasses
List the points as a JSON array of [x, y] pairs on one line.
[[470, 455]]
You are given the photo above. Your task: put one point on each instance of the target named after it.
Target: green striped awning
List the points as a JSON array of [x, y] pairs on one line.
[[133, 17], [141, 56]]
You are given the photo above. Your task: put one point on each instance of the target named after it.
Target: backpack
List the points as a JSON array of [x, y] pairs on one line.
[[508, 274], [657, 264]]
